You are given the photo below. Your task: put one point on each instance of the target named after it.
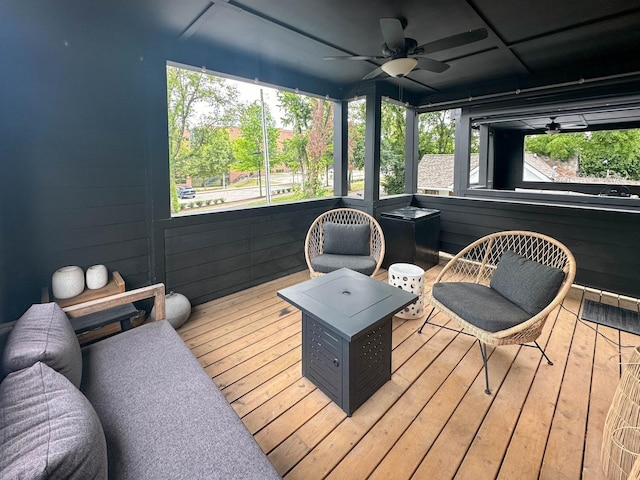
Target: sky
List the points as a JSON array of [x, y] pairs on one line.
[[250, 92]]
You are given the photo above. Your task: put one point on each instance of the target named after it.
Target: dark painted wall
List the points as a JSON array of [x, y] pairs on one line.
[[84, 145], [208, 256], [604, 243]]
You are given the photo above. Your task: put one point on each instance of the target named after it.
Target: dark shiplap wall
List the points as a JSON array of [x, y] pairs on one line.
[[604, 243], [208, 256]]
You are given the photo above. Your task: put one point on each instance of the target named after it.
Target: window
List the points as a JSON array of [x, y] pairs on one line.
[[356, 131], [392, 148], [606, 156], [436, 146], [234, 144]]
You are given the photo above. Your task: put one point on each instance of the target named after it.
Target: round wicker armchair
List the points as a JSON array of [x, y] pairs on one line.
[[477, 263], [313, 245]]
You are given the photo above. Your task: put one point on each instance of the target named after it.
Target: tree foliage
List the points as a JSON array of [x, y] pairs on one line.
[[211, 152], [436, 133], [392, 146], [614, 152], [602, 154], [248, 148], [308, 151], [186, 91], [561, 147]]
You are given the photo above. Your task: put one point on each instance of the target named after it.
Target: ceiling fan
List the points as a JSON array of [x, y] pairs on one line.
[[554, 127], [404, 54]]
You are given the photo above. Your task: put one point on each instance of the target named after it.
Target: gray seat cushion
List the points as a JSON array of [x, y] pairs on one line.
[[163, 417], [530, 285], [479, 305], [48, 429], [343, 239], [44, 334], [328, 262]]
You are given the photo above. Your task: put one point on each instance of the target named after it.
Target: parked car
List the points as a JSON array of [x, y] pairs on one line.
[[186, 192]]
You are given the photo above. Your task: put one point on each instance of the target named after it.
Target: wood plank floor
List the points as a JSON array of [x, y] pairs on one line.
[[432, 420]]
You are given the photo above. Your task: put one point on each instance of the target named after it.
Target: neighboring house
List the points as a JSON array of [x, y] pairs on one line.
[[435, 172]]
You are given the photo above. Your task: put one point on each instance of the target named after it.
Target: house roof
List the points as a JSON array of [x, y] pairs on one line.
[[435, 171]]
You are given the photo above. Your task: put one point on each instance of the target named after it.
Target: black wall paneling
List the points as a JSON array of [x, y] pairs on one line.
[[604, 242], [211, 255]]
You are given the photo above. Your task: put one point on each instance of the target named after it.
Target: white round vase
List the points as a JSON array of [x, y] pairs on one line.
[[97, 277], [67, 282], [178, 309]]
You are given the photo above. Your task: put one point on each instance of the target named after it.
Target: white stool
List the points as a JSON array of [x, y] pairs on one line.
[[411, 279]]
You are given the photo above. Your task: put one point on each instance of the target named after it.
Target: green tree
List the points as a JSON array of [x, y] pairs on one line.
[[186, 90], [355, 145], [211, 152], [436, 132], [248, 148], [297, 115], [392, 146], [561, 147], [615, 152], [319, 153], [308, 151]]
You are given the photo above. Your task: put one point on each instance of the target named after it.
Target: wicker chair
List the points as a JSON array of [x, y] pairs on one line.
[[314, 243], [487, 317]]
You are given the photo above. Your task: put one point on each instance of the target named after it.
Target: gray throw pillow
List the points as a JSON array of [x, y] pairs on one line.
[[528, 284], [341, 239], [48, 429], [44, 334]]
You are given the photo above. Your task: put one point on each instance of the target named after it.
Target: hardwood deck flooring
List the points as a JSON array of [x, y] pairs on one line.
[[432, 420]]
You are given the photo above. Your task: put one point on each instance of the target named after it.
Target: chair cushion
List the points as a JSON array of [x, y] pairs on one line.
[[341, 239], [44, 334], [328, 262], [528, 284], [48, 429], [479, 305]]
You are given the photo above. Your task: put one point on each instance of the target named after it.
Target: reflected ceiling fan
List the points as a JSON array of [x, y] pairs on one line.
[[554, 127], [404, 54]]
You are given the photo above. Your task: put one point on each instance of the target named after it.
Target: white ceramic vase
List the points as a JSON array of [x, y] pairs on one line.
[[97, 277], [178, 309], [67, 282]]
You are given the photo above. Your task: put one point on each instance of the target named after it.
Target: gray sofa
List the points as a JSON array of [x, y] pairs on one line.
[[134, 406]]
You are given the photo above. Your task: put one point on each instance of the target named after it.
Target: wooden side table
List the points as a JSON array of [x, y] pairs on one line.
[[97, 325]]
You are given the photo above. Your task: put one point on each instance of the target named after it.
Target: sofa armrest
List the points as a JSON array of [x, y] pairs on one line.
[[92, 306]]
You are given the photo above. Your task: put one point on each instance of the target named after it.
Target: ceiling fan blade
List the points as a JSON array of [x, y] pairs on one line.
[[452, 41], [355, 57], [373, 74], [393, 33], [432, 65]]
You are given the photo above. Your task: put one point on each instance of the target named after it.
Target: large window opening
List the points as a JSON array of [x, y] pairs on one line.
[[609, 157], [237, 144], [356, 118], [392, 148], [436, 147]]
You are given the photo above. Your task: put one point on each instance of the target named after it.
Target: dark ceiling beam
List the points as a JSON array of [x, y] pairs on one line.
[[199, 21], [503, 44], [576, 26]]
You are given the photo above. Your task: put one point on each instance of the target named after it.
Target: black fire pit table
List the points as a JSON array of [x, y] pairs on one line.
[[346, 333]]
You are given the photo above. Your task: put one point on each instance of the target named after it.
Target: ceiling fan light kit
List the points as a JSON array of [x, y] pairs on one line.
[[399, 67]]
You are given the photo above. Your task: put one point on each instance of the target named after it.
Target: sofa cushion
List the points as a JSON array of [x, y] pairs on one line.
[[163, 417], [341, 239], [479, 305], [328, 262], [44, 334], [48, 429], [528, 284]]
